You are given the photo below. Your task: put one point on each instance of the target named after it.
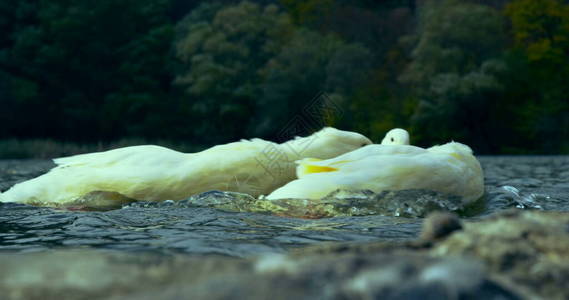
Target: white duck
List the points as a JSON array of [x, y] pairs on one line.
[[393, 165], [154, 173]]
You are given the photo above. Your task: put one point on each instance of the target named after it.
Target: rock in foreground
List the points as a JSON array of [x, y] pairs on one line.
[[516, 255], [528, 248], [98, 275]]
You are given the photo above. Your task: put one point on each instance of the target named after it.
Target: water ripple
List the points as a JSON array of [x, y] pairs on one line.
[[511, 182]]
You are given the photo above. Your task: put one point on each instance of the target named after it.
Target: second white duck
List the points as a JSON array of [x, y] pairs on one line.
[[393, 165]]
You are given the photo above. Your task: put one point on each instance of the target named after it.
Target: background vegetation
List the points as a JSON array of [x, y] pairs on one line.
[[490, 73]]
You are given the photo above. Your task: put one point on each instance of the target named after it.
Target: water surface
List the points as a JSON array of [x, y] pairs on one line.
[[521, 182]]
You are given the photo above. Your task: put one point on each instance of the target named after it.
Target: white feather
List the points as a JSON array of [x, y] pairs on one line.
[[450, 168], [155, 173]]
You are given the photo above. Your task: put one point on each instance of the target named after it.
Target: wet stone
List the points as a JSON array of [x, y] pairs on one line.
[[439, 225], [528, 248], [89, 274]]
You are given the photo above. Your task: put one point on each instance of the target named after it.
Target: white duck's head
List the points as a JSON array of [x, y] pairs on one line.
[[396, 136], [328, 143]]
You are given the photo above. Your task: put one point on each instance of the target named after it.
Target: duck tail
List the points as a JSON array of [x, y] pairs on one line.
[[3, 197], [306, 166]]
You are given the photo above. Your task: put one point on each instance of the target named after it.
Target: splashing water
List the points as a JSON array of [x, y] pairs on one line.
[[523, 200], [195, 227]]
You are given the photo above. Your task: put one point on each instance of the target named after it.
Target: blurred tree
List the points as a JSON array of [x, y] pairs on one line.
[[310, 12], [379, 103], [248, 68], [223, 49], [308, 65], [18, 84], [541, 28], [453, 72], [375, 24], [82, 69], [490, 73], [540, 31]]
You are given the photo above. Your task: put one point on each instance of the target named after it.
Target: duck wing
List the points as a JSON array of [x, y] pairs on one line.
[[313, 165], [134, 154]]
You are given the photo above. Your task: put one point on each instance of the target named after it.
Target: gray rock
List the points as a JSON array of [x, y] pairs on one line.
[[528, 248], [439, 225], [88, 274]]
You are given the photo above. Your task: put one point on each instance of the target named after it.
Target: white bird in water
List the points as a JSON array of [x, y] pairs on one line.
[[396, 136], [393, 165], [154, 173]]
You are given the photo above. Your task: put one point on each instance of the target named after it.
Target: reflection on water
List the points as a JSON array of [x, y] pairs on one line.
[[523, 182]]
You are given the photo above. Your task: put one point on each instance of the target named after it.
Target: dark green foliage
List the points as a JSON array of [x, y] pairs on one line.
[[453, 72], [86, 70], [540, 73], [308, 64], [491, 73], [248, 68], [222, 50]]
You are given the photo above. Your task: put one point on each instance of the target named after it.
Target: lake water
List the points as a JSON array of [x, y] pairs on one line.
[[522, 182]]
